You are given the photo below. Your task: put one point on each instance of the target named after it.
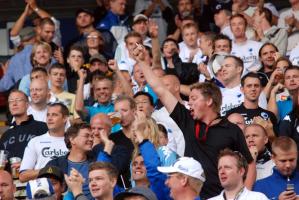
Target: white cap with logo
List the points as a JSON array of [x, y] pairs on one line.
[[187, 166]]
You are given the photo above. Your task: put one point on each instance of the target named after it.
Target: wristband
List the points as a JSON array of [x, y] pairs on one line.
[[36, 9]]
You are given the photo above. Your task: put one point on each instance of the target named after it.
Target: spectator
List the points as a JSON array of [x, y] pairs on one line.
[[41, 56], [30, 8], [128, 62], [102, 91], [115, 20], [7, 187], [282, 104], [176, 140], [284, 175], [268, 32], [146, 160], [40, 96], [189, 48], [14, 73], [106, 150], [148, 129], [232, 96], [75, 61], [204, 101], [84, 23], [251, 88], [185, 178], [136, 193], [244, 48], [79, 141], [277, 76], [126, 106], [141, 26], [102, 178], [40, 150], [57, 77], [231, 69], [257, 140], [222, 43], [268, 54], [95, 45], [289, 17], [144, 102], [232, 170], [222, 16], [24, 127], [56, 177]]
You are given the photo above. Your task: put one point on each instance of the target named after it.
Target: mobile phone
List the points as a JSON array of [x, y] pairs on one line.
[[290, 187]]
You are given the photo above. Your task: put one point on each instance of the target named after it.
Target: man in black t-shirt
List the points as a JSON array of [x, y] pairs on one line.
[[205, 133], [250, 110]]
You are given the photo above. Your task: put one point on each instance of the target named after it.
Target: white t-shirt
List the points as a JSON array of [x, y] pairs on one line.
[[185, 54], [249, 53], [228, 32], [127, 64], [176, 141], [121, 52], [38, 115], [41, 149], [245, 195], [233, 97]]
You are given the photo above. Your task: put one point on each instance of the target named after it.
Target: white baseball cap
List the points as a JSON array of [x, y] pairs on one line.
[[187, 166]]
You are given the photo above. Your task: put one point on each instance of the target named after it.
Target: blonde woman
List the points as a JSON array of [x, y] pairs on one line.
[[147, 129]]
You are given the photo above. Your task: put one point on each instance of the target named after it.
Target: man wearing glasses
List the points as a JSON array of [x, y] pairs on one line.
[[24, 127]]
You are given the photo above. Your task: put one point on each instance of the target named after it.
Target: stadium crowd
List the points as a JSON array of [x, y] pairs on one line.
[[195, 102]]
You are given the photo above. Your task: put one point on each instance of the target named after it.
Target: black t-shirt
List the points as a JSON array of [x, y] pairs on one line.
[[289, 126], [218, 137], [119, 138], [15, 139], [249, 114]]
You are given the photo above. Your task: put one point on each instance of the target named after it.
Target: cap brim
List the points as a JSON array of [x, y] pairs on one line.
[[167, 170]]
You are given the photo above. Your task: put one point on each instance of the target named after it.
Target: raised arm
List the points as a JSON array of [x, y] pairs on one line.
[[40, 12], [79, 101], [153, 32], [15, 30], [126, 87], [168, 100]]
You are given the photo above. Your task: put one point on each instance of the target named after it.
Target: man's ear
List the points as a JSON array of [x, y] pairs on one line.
[[209, 101]]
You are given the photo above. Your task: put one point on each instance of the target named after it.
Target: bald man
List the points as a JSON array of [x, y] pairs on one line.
[[7, 187], [238, 119], [100, 122], [40, 95], [105, 148], [176, 141]]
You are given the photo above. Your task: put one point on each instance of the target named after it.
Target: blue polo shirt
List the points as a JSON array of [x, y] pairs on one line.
[[102, 108]]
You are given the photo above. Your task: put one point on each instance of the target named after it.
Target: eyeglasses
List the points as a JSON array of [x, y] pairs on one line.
[[15, 100]]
